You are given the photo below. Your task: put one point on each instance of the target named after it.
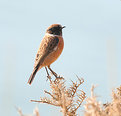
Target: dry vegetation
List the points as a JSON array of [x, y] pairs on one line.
[[35, 112], [70, 99], [95, 108]]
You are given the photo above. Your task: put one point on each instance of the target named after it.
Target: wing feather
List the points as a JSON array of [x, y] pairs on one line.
[[47, 46]]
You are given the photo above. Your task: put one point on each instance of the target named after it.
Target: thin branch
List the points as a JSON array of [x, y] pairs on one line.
[[50, 94], [46, 102]]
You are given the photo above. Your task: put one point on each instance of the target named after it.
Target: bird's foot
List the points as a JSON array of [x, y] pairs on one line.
[[59, 77], [55, 74], [48, 77]]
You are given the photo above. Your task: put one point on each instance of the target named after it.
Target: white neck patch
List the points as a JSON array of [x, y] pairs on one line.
[[48, 34]]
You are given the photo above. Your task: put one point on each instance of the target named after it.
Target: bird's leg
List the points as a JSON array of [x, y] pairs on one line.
[[53, 72], [48, 76], [57, 77]]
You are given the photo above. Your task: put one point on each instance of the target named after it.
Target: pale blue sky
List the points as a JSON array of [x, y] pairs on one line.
[[92, 48]]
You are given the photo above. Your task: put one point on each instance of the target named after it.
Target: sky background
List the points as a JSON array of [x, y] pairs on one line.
[[92, 50]]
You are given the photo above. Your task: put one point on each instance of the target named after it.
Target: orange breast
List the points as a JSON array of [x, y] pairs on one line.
[[55, 54]]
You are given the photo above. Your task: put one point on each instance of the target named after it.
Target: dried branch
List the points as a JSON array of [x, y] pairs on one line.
[[35, 112], [69, 99], [95, 108], [73, 88], [19, 111]]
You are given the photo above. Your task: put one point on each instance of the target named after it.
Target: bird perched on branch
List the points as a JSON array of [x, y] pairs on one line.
[[49, 50]]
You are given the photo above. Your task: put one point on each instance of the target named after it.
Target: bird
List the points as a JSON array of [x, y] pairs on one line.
[[49, 50]]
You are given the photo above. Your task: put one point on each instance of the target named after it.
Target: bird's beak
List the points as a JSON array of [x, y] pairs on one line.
[[63, 27]]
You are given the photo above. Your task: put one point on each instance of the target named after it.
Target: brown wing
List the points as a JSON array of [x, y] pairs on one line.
[[47, 46]]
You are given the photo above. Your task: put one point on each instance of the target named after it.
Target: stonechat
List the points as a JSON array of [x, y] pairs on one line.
[[49, 50]]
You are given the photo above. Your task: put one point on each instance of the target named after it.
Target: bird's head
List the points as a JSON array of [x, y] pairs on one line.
[[55, 29]]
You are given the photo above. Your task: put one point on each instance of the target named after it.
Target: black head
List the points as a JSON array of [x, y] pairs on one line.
[[55, 29]]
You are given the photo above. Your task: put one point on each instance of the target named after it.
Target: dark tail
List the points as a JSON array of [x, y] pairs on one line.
[[32, 76]]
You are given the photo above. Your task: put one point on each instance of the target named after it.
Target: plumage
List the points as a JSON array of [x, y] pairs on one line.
[[50, 49]]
